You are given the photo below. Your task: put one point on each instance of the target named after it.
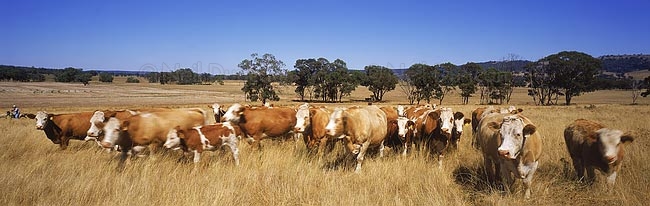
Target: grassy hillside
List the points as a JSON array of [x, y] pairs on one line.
[[36, 172]]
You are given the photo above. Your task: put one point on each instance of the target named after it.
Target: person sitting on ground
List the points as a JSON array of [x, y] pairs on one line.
[[16, 112]]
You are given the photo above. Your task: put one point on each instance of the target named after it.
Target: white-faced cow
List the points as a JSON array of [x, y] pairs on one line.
[[361, 128], [311, 122], [138, 131], [262, 122], [207, 137], [481, 112], [60, 128], [457, 131], [593, 146], [400, 131], [510, 146], [218, 112]]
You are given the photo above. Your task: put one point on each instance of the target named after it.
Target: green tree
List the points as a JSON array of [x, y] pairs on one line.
[[568, 73], [425, 78], [379, 80], [574, 72], [495, 85], [449, 74], [186, 76], [467, 80], [67, 75], [259, 74], [105, 77]]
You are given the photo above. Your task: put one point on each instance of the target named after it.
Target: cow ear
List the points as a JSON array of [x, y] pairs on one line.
[[467, 121], [517, 111], [494, 125], [125, 126], [312, 112], [529, 129], [627, 137]]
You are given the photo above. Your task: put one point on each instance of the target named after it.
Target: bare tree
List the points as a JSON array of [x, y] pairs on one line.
[[636, 90], [408, 89]]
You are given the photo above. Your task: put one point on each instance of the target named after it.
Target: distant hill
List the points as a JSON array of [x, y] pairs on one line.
[[611, 63], [625, 63]]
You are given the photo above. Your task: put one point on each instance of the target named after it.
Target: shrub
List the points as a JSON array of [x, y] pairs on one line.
[[132, 80]]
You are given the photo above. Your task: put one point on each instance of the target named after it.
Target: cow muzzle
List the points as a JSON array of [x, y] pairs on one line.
[[611, 159], [506, 154], [39, 127]]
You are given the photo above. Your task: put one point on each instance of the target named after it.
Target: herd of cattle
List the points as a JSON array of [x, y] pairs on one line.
[[510, 142]]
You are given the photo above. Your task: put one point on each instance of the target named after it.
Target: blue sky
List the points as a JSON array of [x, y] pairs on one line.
[[214, 36]]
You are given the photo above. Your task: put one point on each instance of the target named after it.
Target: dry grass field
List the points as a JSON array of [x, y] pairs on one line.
[[37, 172]]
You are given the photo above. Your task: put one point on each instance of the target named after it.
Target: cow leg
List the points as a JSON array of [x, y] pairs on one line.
[[506, 177], [611, 178], [528, 180], [360, 156], [197, 156], [64, 142], [321, 148], [591, 175], [440, 160], [579, 168], [232, 143], [123, 155], [489, 169], [381, 149]]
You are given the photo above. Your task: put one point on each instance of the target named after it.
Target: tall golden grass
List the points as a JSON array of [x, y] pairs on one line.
[[37, 172]]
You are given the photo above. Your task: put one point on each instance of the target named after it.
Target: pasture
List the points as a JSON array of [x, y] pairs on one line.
[[37, 172]]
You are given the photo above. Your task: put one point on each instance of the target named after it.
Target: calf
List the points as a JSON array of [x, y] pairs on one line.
[[510, 146], [207, 137], [593, 146]]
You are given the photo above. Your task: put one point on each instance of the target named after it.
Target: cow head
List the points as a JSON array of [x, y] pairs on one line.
[[609, 143], [446, 120], [112, 130], [42, 118], [405, 126], [302, 118], [218, 111], [401, 111], [457, 131], [173, 139], [336, 125], [233, 114], [96, 125], [513, 133]]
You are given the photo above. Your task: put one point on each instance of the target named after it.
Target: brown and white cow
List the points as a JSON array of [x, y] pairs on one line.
[[593, 146], [99, 118], [433, 127], [262, 122], [60, 128], [218, 112], [392, 139], [510, 146], [138, 131], [311, 122], [360, 128], [206, 137], [481, 112], [457, 131]]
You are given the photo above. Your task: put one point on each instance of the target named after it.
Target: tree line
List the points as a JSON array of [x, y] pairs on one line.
[[566, 74]]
